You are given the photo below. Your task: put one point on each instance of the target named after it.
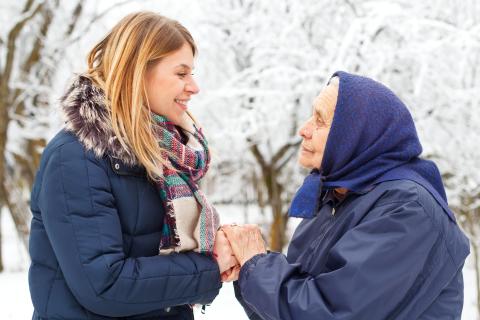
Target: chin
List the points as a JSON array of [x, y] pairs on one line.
[[305, 164]]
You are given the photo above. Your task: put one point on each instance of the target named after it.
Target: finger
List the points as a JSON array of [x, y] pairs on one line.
[[230, 234], [225, 256], [228, 272], [227, 229], [235, 242], [221, 237], [233, 274], [252, 226], [224, 277], [232, 261]]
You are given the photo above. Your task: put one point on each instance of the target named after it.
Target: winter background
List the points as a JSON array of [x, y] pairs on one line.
[[260, 64]]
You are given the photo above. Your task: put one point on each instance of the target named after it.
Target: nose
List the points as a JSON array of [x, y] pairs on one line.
[[192, 87], [306, 130]]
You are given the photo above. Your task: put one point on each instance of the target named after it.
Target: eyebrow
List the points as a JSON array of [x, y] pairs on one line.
[[183, 65], [320, 112]]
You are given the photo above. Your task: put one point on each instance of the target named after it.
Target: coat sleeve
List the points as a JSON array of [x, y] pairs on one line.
[[82, 224], [248, 310], [368, 271]]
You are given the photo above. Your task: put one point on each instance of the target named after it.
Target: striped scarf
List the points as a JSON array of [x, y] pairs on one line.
[[186, 207]]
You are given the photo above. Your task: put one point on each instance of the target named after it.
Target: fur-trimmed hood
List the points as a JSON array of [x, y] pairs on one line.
[[87, 116]]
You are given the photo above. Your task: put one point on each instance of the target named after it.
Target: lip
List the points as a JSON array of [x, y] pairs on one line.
[[303, 149], [184, 107]]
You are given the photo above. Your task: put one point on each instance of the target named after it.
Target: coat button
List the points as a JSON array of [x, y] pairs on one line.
[[117, 166], [168, 309]]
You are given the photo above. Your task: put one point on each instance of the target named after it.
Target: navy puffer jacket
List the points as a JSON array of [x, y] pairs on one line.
[[96, 228], [390, 253]]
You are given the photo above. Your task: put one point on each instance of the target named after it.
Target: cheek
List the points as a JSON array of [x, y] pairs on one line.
[[158, 93], [319, 140], [156, 99], [317, 161], [158, 84]]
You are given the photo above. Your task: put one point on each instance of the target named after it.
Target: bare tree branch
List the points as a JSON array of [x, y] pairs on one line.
[[77, 13], [12, 38], [259, 157], [287, 159], [97, 18], [281, 152]]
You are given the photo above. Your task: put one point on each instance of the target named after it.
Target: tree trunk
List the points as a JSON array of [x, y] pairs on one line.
[[18, 207], [477, 272], [3, 141], [270, 172], [277, 229], [1, 259], [469, 225]]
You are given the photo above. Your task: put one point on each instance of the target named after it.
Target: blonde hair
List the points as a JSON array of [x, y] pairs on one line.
[[118, 64]]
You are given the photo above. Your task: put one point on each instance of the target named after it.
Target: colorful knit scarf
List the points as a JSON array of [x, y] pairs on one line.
[[188, 157]]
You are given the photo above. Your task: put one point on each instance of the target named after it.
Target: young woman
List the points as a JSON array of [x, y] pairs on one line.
[[118, 185]]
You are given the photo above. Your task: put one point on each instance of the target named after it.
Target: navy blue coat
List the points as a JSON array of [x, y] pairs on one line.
[[390, 253], [95, 233]]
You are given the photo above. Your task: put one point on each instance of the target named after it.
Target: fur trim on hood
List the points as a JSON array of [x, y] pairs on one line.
[[87, 116]]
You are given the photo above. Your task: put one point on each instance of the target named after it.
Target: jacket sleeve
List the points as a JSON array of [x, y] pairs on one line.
[[82, 224], [248, 310], [368, 272]]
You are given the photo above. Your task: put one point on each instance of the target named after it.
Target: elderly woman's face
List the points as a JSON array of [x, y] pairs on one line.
[[315, 130]]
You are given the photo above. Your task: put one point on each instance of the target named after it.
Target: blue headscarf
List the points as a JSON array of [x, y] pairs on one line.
[[372, 139]]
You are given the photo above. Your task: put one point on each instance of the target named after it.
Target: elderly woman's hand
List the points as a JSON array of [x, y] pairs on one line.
[[246, 241]]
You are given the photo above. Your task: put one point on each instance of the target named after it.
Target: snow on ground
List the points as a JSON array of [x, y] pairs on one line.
[[15, 303]]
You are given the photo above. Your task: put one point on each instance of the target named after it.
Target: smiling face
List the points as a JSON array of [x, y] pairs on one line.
[[314, 131], [169, 84]]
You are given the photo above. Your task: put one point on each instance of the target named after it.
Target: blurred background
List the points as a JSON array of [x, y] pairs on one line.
[[260, 64]]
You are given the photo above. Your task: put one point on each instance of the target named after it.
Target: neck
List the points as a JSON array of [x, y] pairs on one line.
[[341, 191]]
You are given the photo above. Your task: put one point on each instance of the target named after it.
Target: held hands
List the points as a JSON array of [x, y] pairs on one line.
[[246, 241], [227, 263], [234, 246]]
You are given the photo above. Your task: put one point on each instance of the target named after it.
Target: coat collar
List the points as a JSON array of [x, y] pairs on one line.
[[87, 116]]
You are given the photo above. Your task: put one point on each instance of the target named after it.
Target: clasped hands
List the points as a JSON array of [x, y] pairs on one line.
[[235, 245]]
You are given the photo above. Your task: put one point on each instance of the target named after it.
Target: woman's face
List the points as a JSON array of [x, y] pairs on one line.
[[170, 85], [315, 130]]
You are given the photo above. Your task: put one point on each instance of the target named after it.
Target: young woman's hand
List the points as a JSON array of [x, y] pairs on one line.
[[231, 274], [222, 251]]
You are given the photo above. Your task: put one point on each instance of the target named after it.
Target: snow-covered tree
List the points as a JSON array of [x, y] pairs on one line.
[[260, 65], [38, 40], [265, 61]]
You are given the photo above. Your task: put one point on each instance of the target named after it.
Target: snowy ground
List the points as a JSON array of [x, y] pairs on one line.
[[15, 299]]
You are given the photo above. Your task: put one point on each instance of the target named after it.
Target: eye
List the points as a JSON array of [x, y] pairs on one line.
[[319, 121], [182, 75]]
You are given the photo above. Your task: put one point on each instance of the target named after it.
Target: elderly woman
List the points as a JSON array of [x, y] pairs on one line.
[[377, 239]]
